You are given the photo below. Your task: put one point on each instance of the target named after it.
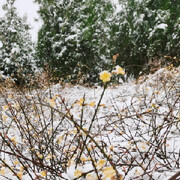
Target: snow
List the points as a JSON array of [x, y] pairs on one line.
[[127, 119], [162, 26], [159, 26], [15, 50], [118, 6], [62, 51], [70, 37], [124, 122], [7, 60]]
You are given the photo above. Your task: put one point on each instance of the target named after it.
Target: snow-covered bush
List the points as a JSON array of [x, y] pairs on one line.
[[126, 132], [75, 39], [147, 29], [16, 47], [78, 37]]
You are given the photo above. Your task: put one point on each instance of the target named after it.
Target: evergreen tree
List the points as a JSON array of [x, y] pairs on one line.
[[75, 37], [147, 29], [16, 51]]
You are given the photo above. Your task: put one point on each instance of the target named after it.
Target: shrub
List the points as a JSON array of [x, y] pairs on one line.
[[75, 39], [16, 51], [147, 29], [136, 136]]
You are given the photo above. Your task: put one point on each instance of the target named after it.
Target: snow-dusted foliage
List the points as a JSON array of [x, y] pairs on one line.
[[16, 47], [75, 39], [80, 37], [147, 28]]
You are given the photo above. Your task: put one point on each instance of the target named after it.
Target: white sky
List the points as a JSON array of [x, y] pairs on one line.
[[29, 8]]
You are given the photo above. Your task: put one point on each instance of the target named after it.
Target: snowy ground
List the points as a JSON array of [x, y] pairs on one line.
[[135, 129]]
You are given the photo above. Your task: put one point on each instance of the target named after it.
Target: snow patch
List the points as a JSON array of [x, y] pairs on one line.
[[162, 26]]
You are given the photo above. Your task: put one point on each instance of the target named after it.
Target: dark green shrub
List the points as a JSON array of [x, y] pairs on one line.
[[75, 38], [147, 29], [16, 51]]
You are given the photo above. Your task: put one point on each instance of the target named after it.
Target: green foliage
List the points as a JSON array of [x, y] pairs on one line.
[[80, 37], [75, 38], [147, 29], [16, 52]]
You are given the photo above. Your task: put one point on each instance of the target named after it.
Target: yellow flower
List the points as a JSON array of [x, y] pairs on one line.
[[101, 163], [21, 168], [73, 131], [39, 155], [60, 139], [137, 172], [2, 171], [90, 177], [109, 172], [10, 96], [105, 76], [77, 173], [102, 105], [49, 156], [81, 101], [43, 173], [143, 147], [20, 174], [119, 70], [13, 139], [5, 107], [16, 106], [83, 158], [111, 147], [16, 162], [92, 104], [52, 102], [154, 106], [4, 118]]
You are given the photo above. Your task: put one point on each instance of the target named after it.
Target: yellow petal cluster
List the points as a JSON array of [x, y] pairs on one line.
[[92, 104], [13, 139], [77, 173], [16, 162], [105, 76], [81, 101], [90, 177], [100, 163], [109, 172], [2, 171], [119, 70], [49, 156], [20, 174], [43, 173]]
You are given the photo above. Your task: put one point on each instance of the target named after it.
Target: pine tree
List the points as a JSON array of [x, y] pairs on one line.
[[16, 51], [75, 37], [148, 29]]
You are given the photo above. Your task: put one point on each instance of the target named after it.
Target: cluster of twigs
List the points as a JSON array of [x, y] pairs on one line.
[[42, 137]]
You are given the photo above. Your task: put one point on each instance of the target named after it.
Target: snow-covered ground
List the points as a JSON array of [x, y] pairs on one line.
[[134, 130]]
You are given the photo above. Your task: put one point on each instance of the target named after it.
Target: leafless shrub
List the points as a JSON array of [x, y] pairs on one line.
[[45, 137]]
